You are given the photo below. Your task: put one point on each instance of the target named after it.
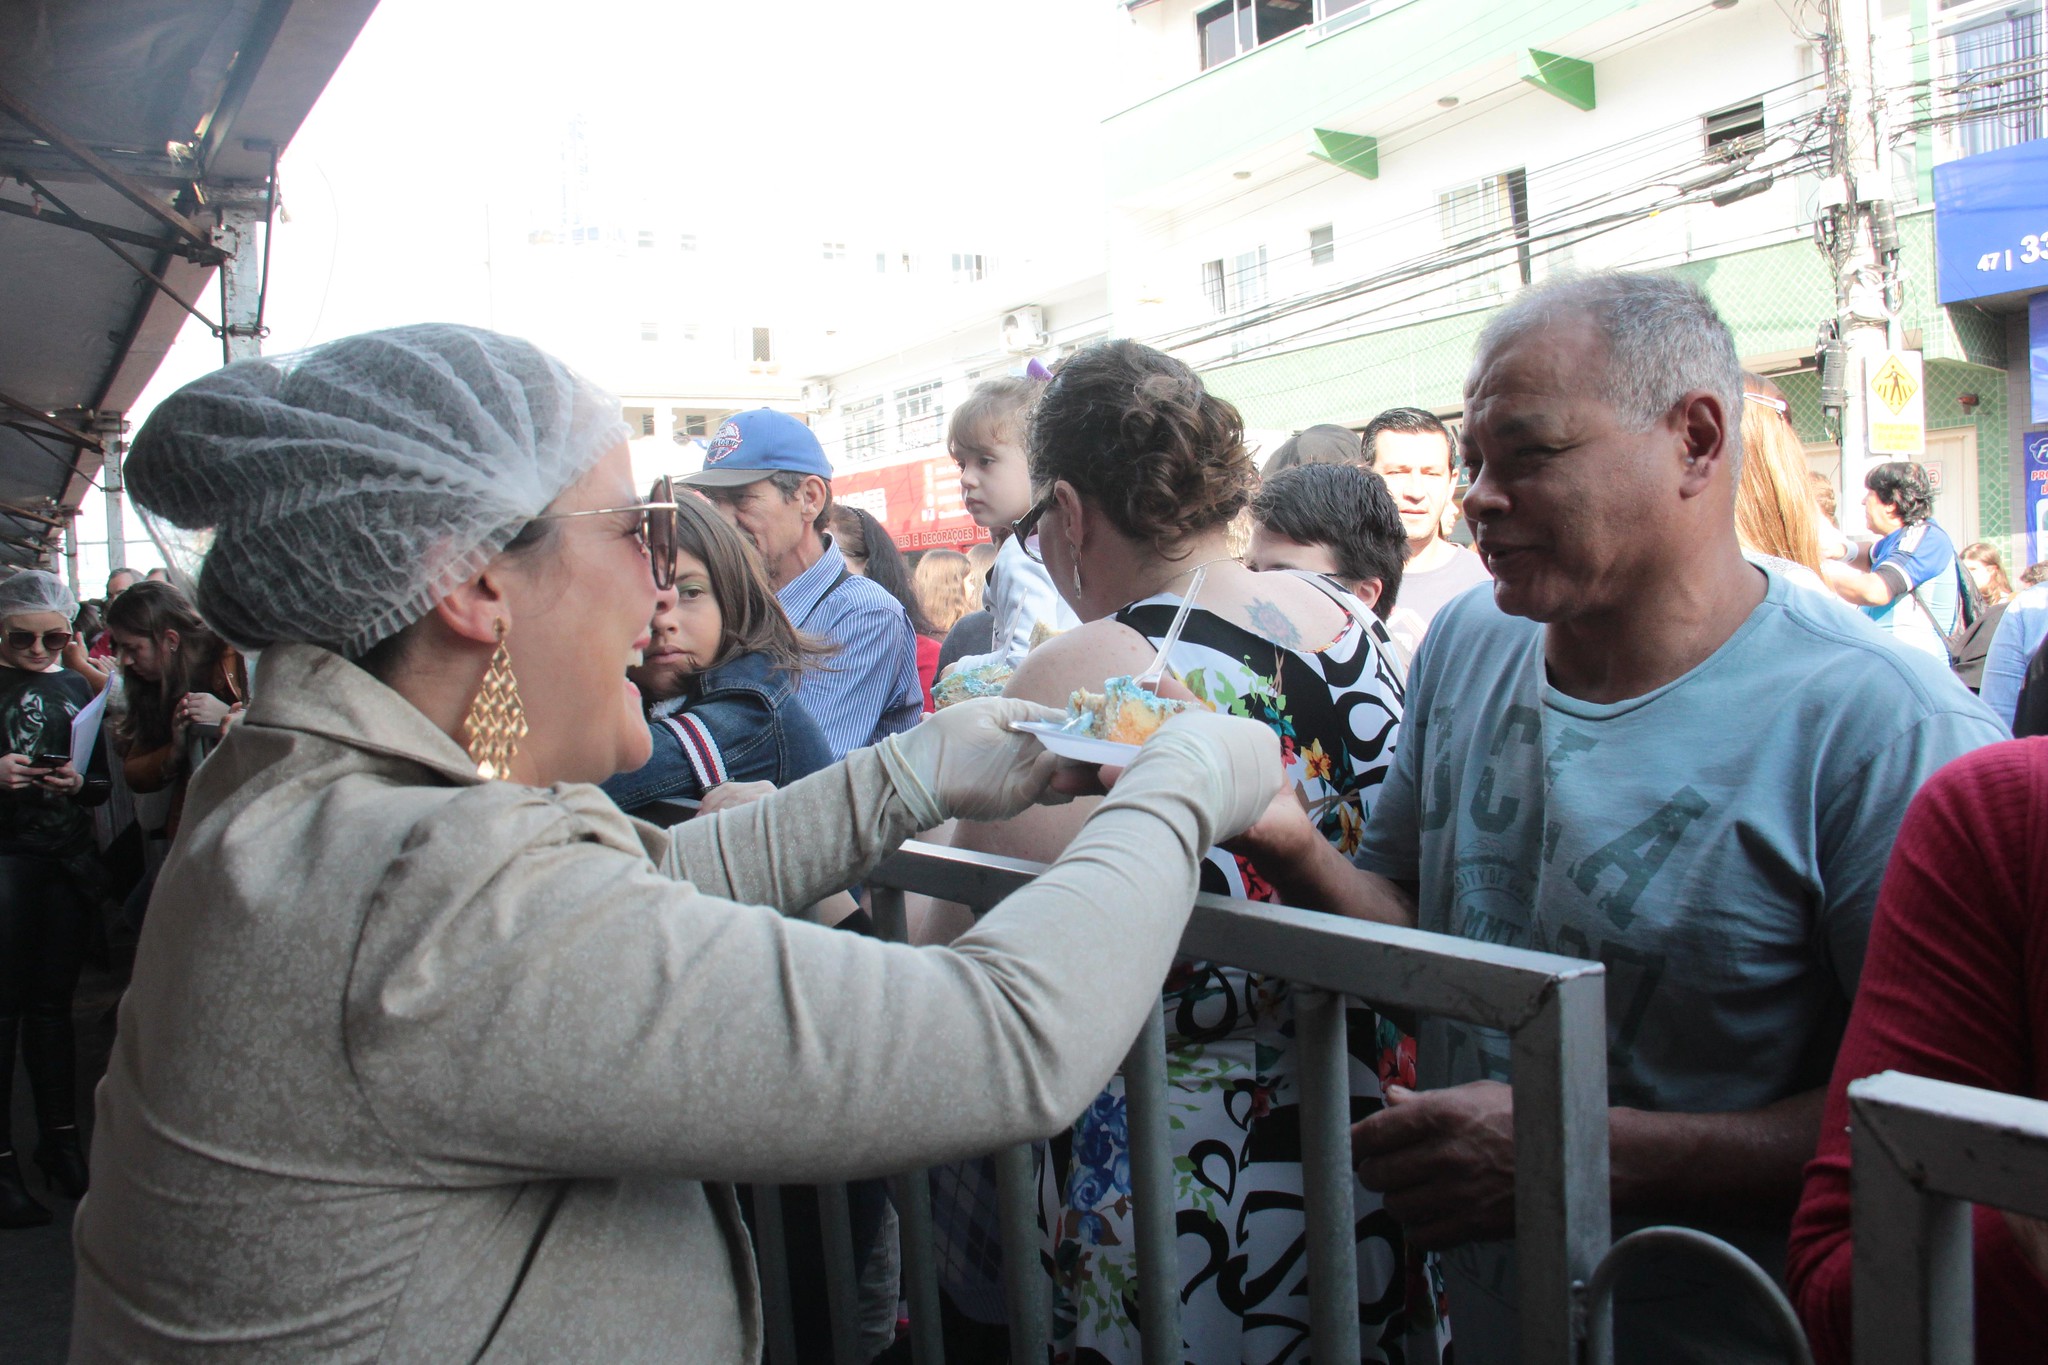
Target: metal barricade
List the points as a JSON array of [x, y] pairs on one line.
[[1552, 1008], [1921, 1153]]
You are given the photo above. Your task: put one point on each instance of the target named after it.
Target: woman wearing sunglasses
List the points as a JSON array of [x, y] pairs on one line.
[[432, 1052], [46, 858]]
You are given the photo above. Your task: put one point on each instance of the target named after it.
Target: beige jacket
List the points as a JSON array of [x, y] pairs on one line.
[[418, 1068]]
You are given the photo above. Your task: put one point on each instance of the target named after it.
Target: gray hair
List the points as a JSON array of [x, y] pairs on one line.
[[1664, 340]]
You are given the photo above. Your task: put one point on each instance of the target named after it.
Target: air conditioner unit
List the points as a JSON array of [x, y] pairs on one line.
[[817, 396], [1023, 330]]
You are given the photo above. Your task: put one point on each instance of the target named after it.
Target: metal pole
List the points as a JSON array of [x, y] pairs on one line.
[[1026, 1291], [71, 558], [842, 1276], [912, 1190], [772, 1253], [1911, 1300], [1561, 1193], [1326, 1174], [241, 284], [1153, 1207], [113, 485]]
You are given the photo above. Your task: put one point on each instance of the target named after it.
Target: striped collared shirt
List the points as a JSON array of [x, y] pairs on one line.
[[869, 688]]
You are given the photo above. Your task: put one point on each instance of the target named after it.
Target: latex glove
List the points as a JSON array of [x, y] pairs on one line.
[[966, 763], [1228, 763]]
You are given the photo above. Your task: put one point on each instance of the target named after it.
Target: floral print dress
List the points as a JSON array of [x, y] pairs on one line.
[[1233, 1106]]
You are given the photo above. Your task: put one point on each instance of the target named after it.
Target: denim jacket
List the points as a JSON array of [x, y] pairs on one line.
[[738, 722]]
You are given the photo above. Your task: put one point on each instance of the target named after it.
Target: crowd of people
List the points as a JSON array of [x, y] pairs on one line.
[[432, 1047]]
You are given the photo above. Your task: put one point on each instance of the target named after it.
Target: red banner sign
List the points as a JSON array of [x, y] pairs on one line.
[[917, 503]]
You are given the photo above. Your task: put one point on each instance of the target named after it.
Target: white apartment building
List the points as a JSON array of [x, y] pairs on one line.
[[1318, 203]]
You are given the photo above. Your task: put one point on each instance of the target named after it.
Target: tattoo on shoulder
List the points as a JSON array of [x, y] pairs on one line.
[[1273, 623]]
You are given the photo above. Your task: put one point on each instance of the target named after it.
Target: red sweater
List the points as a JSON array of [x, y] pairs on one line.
[[1954, 987]]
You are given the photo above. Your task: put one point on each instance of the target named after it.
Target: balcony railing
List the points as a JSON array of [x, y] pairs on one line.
[[1922, 1152], [1552, 1008]]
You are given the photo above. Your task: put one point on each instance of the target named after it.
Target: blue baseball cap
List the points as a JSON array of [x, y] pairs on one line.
[[752, 445]]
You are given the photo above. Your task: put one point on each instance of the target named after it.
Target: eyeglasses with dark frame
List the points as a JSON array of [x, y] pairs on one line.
[[53, 640], [1025, 528], [657, 530]]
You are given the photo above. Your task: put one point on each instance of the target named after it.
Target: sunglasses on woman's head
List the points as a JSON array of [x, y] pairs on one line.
[[53, 640], [1025, 528], [657, 527]]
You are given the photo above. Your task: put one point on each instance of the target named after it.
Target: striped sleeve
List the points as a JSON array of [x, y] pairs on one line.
[[699, 747]]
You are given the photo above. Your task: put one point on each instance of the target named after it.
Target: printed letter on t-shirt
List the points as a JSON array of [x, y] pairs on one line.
[[1639, 854]]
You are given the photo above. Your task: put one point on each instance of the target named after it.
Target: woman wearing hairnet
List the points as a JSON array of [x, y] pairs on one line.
[[47, 860], [421, 1062]]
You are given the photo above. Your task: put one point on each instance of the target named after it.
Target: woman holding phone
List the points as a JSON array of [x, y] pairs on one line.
[[46, 850]]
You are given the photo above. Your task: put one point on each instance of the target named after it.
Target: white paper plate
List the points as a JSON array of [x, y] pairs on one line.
[[1080, 748]]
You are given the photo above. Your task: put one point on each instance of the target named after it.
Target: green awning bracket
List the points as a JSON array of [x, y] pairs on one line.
[[1353, 152], [1568, 78]]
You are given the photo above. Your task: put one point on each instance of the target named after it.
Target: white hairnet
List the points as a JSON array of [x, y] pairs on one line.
[[349, 488], [32, 590]]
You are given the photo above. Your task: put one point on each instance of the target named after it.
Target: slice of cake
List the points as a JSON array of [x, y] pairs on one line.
[[1122, 712], [964, 684]]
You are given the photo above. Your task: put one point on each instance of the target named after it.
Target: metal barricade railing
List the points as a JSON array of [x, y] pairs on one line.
[[1552, 1008], [1921, 1153]]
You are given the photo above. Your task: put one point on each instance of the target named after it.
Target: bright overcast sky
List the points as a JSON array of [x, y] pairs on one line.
[[971, 119]]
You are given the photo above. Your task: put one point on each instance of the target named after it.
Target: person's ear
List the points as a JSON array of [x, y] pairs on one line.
[[1704, 436], [1368, 591], [476, 609], [814, 494], [171, 641], [1073, 515]]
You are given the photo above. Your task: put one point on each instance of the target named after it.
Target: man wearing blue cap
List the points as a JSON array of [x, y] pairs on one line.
[[767, 475]]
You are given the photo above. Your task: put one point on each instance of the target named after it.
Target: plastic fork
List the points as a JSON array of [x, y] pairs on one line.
[[1149, 679]]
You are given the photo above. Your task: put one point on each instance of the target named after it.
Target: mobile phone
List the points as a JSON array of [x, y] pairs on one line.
[[53, 749]]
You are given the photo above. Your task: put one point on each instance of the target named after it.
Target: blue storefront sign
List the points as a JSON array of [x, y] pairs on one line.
[[2037, 495], [1991, 223]]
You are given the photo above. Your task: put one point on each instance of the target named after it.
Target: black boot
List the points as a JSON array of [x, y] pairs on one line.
[[17, 1210], [63, 1162]]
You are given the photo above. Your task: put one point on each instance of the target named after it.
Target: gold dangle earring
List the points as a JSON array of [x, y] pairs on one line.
[[496, 721]]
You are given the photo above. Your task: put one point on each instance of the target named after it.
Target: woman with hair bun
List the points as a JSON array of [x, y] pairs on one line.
[[1138, 472]]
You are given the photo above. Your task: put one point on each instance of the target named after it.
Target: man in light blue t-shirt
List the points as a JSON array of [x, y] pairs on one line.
[[1909, 582], [1637, 748]]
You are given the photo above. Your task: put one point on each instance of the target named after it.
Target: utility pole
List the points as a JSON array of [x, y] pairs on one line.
[[112, 429], [1859, 235]]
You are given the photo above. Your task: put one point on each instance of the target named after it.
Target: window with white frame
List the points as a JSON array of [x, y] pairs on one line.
[[1235, 27], [834, 251], [650, 331], [864, 422], [764, 350], [687, 242], [1322, 245], [918, 415], [1212, 287], [1233, 283], [969, 267], [1991, 54], [1486, 234]]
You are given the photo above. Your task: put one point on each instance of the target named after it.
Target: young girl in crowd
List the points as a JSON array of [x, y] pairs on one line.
[[719, 676], [872, 553], [47, 855], [181, 685], [986, 440]]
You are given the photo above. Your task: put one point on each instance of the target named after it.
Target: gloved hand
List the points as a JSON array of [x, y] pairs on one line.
[[966, 763], [1228, 764]]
